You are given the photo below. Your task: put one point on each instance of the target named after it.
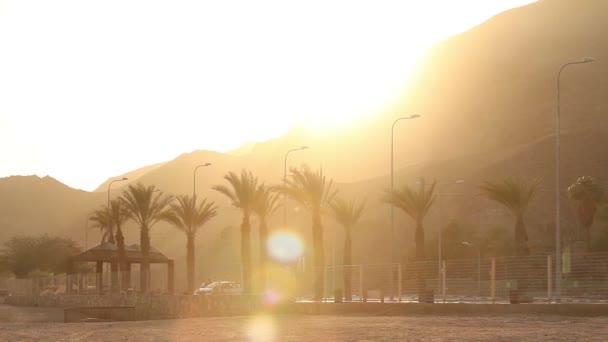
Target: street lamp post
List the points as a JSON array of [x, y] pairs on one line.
[[285, 183], [413, 116], [466, 243], [109, 185], [194, 177], [558, 246]]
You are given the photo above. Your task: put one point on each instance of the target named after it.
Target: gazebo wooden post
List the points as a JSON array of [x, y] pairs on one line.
[[114, 276], [99, 276], [68, 278], [170, 276]]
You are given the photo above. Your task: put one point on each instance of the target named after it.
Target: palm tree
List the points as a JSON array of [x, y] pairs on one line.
[[312, 190], [118, 215], [347, 214], [416, 204], [146, 207], [188, 216], [587, 192], [266, 204], [515, 195], [101, 219], [242, 194]]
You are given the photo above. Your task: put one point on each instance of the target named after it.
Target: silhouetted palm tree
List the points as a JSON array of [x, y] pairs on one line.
[[242, 194], [266, 204], [312, 190], [347, 214], [189, 216], [587, 192], [515, 195], [118, 215], [146, 207], [101, 219], [416, 204]]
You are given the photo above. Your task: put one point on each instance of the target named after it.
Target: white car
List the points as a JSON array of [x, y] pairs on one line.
[[219, 287]]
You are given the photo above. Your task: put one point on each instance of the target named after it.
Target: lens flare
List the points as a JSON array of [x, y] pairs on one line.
[[284, 247], [261, 328]]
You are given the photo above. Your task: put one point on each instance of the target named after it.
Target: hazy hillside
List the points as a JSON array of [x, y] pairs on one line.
[[487, 100]]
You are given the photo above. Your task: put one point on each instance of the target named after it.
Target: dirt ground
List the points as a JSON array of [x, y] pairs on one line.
[[45, 324]]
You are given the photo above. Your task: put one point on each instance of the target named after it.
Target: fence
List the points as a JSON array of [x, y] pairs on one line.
[[584, 278]]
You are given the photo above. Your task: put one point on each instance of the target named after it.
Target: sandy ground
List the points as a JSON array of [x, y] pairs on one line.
[[45, 324]]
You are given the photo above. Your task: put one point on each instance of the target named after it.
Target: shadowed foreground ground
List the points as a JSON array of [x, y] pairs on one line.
[[42, 324]]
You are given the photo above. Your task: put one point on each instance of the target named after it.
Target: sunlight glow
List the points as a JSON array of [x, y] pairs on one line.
[[76, 75], [261, 329], [285, 247]]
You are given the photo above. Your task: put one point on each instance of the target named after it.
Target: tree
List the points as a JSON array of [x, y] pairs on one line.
[[347, 214], [515, 195], [312, 190], [146, 206], [101, 219], [118, 216], [266, 203], [189, 216], [22, 255], [587, 192], [242, 195], [416, 204]]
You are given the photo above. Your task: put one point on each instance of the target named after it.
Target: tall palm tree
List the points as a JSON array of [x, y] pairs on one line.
[[266, 204], [312, 190], [347, 214], [101, 219], [242, 195], [515, 195], [587, 192], [416, 204], [118, 216], [189, 216], [146, 207]]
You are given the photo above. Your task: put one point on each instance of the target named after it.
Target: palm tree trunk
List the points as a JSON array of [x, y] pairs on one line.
[[420, 256], [419, 238], [122, 259], [190, 250], [246, 253], [317, 237], [144, 237], [521, 237], [263, 253], [522, 250], [347, 265]]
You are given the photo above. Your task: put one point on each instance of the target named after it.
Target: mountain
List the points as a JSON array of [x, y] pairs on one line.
[[487, 100]]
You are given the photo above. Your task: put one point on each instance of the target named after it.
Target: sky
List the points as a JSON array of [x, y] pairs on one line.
[[94, 89]]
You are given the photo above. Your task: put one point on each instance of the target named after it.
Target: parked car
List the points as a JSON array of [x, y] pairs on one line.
[[219, 287]]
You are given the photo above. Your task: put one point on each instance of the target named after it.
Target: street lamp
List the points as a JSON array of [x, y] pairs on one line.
[[468, 244], [109, 185], [413, 116], [285, 183], [194, 177], [558, 244]]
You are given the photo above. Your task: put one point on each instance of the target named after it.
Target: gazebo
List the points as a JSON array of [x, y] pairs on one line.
[[108, 253]]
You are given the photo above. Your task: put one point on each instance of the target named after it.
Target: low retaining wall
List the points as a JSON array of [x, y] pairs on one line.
[[146, 306], [404, 309]]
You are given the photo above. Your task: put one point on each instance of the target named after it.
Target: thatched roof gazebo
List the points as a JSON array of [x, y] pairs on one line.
[[108, 253]]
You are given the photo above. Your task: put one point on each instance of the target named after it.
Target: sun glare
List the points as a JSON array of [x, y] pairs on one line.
[[285, 247]]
